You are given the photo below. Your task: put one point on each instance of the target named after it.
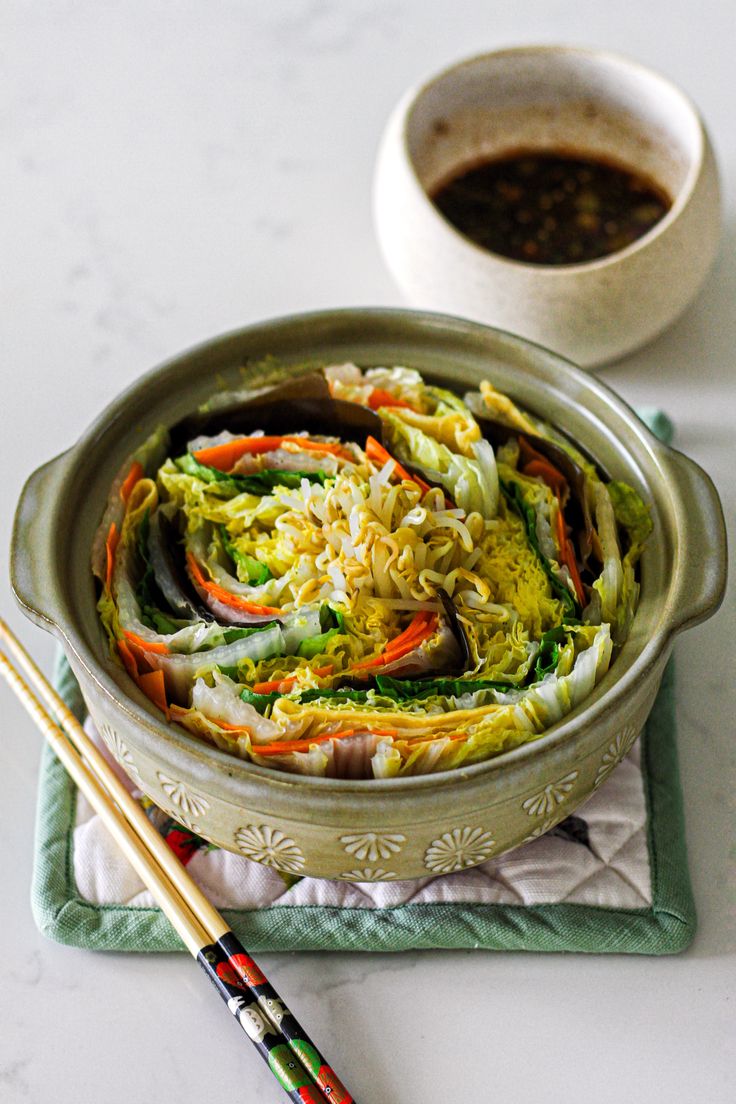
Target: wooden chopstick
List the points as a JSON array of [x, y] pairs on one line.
[[208, 916], [282, 1043]]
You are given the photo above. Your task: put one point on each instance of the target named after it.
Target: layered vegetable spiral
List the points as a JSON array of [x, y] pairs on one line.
[[355, 573]]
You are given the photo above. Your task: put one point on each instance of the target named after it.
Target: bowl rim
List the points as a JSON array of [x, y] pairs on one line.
[[245, 771], [407, 104]]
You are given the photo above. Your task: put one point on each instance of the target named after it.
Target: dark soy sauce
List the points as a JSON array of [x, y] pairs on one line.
[[551, 208]]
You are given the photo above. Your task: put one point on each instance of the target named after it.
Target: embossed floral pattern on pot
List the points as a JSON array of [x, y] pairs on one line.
[[373, 845], [617, 750], [368, 875], [190, 803], [458, 849], [553, 794], [121, 752], [269, 846], [180, 818], [541, 829]]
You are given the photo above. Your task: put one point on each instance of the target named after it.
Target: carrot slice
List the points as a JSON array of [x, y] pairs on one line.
[[567, 556], [406, 647], [420, 629], [378, 398], [319, 446], [129, 660], [545, 471], [111, 544], [282, 747], [135, 473], [539, 466], [375, 451], [285, 683], [145, 645], [153, 686], [225, 456], [152, 683], [573, 569], [416, 628], [221, 595]]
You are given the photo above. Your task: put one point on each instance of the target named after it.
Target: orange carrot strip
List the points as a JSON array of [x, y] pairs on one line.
[[376, 452], [135, 473], [179, 714], [573, 568], [378, 398], [561, 532], [567, 556], [218, 592], [418, 622], [320, 446], [152, 683], [281, 747], [422, 627], [538, 465], [380, 660], [225, 456], [270, 687], [153, 686], [128, 659], [549, 474], [145, 645], [416, 630], [405, 648], [285, 683], [111, 544]]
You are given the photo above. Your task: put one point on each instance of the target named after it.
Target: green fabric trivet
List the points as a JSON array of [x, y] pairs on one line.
[[667, 926]]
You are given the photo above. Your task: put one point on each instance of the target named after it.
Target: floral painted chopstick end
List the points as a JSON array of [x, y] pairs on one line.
[[292, 1057]]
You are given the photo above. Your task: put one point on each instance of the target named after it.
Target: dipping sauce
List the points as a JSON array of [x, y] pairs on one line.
[[551, 208]]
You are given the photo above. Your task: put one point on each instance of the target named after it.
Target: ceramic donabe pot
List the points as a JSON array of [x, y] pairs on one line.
[[404, 827]]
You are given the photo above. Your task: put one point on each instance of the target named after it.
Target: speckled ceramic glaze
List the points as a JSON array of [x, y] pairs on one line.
[[549, 98], [404, 827]]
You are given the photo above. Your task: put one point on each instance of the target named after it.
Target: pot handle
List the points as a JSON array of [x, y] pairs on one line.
[[32, 544], [701, 566]]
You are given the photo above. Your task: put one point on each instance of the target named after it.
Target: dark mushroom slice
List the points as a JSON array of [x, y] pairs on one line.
[[463, 648], [167, 560], [302, 404]]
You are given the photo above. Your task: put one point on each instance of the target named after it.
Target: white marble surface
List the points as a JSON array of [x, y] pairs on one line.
[[171, 170]]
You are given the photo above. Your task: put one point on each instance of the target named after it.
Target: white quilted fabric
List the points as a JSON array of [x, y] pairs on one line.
[[600, 857]]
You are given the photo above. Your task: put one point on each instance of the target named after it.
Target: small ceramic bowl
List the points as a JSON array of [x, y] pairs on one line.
[[406, 827], [549, 98]]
